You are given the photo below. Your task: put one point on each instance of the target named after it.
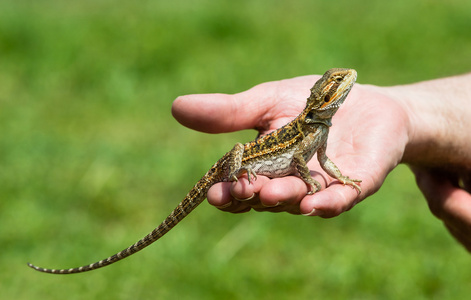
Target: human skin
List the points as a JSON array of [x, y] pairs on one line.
[[425, 125]]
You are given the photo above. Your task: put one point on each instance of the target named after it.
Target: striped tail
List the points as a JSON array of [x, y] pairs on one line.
[[190, 202]]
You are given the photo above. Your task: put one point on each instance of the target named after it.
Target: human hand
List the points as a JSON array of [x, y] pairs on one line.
[[367, 140], [448, 201]]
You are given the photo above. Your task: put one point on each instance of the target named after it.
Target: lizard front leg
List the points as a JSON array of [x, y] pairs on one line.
[[331, 169], [305, 173], [304, 153]]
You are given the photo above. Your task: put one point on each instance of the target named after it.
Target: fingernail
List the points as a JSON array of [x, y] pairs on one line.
[[224, 205], [277, 203], [314, 212], [246, 199]]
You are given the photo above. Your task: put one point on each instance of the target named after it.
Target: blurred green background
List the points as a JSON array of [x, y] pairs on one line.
[[91, 158]]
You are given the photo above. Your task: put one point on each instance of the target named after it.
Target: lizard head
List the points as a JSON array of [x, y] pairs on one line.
[[328, 93]]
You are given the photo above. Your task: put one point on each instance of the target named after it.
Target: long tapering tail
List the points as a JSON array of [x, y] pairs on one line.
[[190, 202]]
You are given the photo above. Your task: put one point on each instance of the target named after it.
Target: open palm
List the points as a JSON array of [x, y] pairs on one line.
[[367, 140]]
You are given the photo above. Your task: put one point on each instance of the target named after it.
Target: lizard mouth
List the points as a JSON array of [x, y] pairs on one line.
[[339, 96], [336, 105], [333, 102]]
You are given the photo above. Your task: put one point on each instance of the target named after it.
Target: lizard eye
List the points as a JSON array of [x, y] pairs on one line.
[[327, 98], [338, 79]]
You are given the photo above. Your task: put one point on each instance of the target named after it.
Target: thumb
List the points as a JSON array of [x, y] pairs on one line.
[[217, 113], [266, 106]]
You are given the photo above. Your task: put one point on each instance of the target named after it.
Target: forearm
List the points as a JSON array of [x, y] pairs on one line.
[[439, 121]]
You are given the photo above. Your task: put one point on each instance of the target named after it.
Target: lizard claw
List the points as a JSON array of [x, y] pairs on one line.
[[351, 182], [250, 175]]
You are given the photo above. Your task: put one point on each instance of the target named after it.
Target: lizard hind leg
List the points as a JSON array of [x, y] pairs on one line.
[[235, 167], [250, 174]]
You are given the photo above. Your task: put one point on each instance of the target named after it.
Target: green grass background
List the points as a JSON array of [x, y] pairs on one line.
[[91, 158]]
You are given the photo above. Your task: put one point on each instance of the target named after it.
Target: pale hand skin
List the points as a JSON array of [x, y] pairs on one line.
[[426, 125]]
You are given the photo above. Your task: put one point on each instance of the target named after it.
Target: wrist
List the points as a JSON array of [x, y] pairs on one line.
[[439, 121]]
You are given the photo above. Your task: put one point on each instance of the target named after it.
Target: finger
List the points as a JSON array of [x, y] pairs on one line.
[[440, 191], [266, 106], [462, 236], [217, 113], [447, 202], [286, 191], [330, 202], [243, 190], [466, 181], [274, 195], [264, 194], [239, 196], [223, 193], [212, 113], [220, 197]]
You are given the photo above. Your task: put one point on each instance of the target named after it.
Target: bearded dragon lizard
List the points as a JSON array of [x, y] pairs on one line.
[[283, 152]]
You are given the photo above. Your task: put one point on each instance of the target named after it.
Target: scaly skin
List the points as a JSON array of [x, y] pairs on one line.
[[283, 152]]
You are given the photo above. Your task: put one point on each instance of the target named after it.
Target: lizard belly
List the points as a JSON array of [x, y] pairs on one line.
[[275, 165]]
